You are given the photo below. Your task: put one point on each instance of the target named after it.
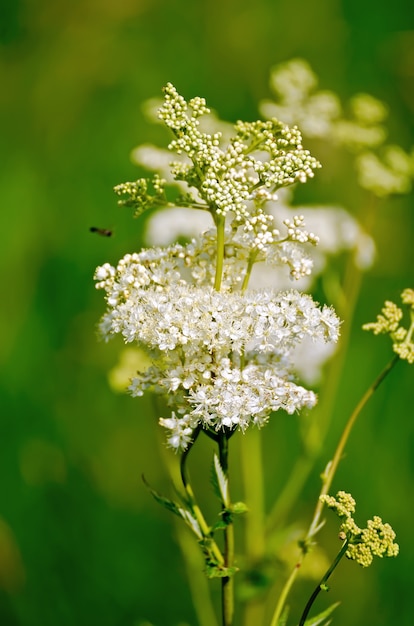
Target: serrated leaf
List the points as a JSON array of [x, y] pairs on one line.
[[220, 482], [321, 619], [175, 508], [214, 481], [191, 521], [165, 502]]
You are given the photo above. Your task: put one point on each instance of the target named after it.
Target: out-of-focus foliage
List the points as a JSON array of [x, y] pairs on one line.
[[81, 540]]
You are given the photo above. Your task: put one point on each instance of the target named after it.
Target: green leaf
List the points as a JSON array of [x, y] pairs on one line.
[[165, 502], [238, 508], [220, 525], [214, 481], [175, 508], [191, 521], [220, 482], [218, 571], [321, 619]]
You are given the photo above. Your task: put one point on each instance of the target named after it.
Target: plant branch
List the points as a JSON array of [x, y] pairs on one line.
[[204, 527], [227, 586], [220, 224], [322, 584], [327, 481], [250, 263], [255, 540], [333, 465]]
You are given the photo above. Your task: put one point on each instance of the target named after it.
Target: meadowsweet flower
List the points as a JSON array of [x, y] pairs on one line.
[[319, 114], [377, 539], [226, 175], [297, 101], [190, 330], [387, 175], [383, 170], [364, 128], [221, 353], [337, 232], [388, 322]]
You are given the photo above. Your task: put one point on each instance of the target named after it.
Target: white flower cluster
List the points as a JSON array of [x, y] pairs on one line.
[[319, 113], [390, 174], [359, 127], [222, 358], [294, 84], [271, 248], [226, 177], [220, 352], [338, 232]]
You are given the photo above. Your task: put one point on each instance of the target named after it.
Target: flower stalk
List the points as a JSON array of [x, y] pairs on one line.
[[220, 224], [327, 479], [322, 585], [227, 582], [332, 466]]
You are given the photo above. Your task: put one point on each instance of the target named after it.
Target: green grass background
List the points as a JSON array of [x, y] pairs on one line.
[[81, 541]]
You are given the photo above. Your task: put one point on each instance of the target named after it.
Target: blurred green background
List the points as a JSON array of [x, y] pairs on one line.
[[81, 540]]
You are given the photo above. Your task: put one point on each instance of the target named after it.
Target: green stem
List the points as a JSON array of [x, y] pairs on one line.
[[250, 263], [322, 584], [227, 585], [193, 559], [198, 583], [204, 527], [220, 223], [327, 481], [284, 594], [333, 465], [255, 542]]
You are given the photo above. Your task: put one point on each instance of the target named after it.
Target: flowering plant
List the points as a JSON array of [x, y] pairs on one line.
[[219, 351]]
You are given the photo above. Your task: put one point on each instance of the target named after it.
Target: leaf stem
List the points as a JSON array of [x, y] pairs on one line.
[[227, 585], [322, 584]]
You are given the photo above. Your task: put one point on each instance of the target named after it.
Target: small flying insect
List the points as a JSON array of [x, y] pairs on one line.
[[103, 232]]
